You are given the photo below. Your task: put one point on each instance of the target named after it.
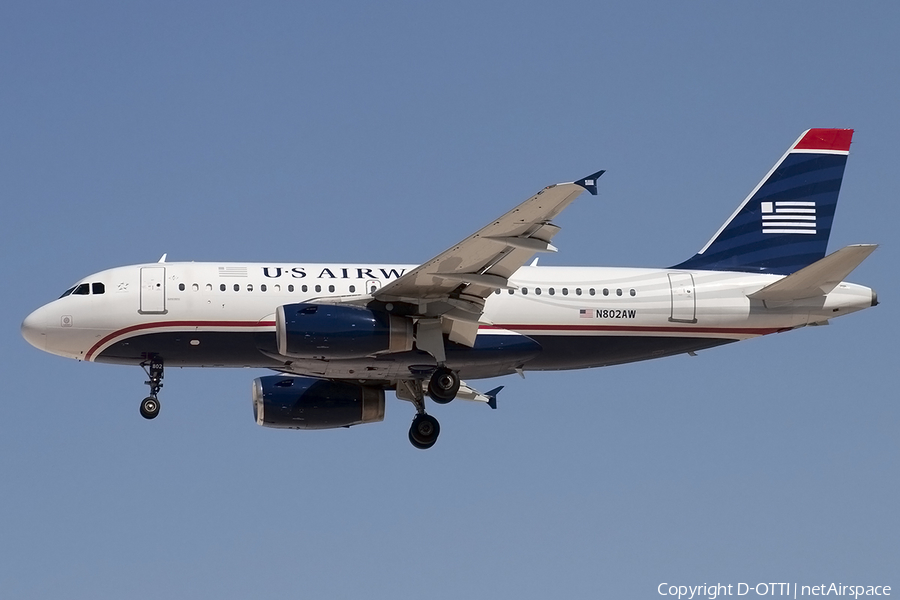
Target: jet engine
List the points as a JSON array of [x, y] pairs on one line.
[[336, 332], [288, 402]]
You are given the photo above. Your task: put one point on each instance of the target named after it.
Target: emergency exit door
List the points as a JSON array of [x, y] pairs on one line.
[[153, 290]]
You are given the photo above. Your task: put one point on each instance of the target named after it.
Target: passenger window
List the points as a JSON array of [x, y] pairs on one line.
[[195, 287], [303, 288], [592, 291], [619, 292], [291, 287], [82, 290], [249, 287], [237, 287], [524, 291], [222, 287], [318, 288], [262, 287], [511, 291], [180, 287], [330, 288], [565, 291], [497, 291], [208, 287], [277, 287], [551, 291], [97, 288], [352, 289], [632, 292], [537, 291], [577, 291], [605, 292]]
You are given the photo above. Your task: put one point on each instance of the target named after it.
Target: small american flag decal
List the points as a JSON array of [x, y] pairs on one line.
[[232, 271], [586, 313]]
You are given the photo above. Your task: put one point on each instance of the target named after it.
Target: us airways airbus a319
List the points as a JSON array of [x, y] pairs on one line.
[[340, 335]]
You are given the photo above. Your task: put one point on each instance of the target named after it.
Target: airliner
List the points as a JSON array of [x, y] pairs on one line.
[[338, 336]]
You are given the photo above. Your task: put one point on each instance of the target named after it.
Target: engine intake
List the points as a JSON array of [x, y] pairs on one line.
[[288, 402], [330, 331]]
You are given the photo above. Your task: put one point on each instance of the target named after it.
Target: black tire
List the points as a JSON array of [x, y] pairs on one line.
[[443, 385], [149, 407], [424, 431]]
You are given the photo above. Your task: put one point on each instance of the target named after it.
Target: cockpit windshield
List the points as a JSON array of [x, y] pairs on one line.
[[84, 289]]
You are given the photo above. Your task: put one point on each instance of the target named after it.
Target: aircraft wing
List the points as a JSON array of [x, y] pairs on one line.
[[454, 284]]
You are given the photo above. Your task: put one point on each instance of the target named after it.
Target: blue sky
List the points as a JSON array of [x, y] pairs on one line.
[[343, 131]]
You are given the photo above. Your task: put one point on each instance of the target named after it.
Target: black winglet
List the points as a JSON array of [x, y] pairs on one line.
[[590, 182]]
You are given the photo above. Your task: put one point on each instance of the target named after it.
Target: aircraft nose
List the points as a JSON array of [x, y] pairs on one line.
[[34, 330]]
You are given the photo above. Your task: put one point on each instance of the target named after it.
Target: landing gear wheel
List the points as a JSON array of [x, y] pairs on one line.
[[424, 431], [149, 407], [443, 386]]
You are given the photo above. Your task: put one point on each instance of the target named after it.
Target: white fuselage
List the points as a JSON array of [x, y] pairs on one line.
[[222, 314]]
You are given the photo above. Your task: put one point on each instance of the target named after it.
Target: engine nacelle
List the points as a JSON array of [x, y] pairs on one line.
[[331, 331], [288, 402]]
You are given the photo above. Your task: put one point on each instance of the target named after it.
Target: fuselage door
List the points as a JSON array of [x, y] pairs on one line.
[[684, 303], [372, 286], [153, 290]]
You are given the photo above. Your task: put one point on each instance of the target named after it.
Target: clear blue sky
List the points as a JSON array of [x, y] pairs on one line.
[[350, 131]]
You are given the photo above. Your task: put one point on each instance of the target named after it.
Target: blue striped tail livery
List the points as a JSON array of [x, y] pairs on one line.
[[785, 222]]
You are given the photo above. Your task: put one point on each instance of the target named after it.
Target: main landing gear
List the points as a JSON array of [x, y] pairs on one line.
[[442, 387], [154, 370], [424, 431]]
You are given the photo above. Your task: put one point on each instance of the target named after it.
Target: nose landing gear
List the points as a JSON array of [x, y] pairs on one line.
[[149, 407], [154, 370]]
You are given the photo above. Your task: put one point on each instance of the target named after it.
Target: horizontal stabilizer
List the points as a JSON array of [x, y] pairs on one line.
[[468, 393], [818, 278]]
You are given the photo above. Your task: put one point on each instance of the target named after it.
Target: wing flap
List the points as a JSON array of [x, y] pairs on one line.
[[817, 279]]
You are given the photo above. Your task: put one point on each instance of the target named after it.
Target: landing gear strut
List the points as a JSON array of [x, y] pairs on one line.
[[424, 431], [154, 370]]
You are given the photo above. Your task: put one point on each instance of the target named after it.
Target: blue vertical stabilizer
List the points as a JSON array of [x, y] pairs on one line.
[[785, 222]]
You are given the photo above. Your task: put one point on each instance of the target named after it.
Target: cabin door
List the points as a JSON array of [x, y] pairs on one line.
[[684, 302], [153, 290]]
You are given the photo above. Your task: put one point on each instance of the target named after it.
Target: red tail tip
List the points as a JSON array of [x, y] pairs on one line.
[[826, 139]]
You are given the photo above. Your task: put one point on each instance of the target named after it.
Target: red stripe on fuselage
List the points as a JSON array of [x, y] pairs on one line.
[[638, 328], [162, 324]]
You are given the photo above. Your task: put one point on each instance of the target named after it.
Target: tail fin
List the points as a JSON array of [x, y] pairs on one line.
[[784, 223]]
